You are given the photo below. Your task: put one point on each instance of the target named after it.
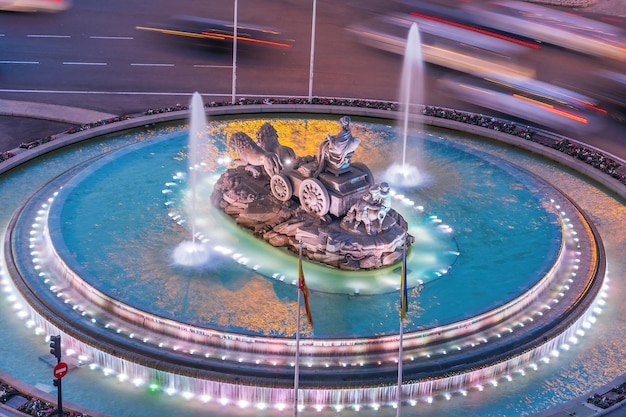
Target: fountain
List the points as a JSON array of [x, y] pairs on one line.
[[220, 327], [226, 330], [411, 96], [194, 252]]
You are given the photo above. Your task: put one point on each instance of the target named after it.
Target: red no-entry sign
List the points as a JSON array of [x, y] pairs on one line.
[[60, 370]]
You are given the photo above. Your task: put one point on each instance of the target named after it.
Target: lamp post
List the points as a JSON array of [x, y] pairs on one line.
[[312, 49], [234, 93]]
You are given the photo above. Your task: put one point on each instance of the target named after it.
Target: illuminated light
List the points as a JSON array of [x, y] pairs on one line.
[[522, 372], [587, 325], [107, 371], [508, 378], [463, 392], [154, 387], [137, 382], [375, 406], [357, 407], [554, 110], [243, 404], [447, 396], [261, 406], [565, 346], [93, 366], [205, 398], [475, 29], [22, 314], [429, 400], [493, 382], [319, 407], [281, 406], [188, 395], [580, 332], [122, 377], [145, 340], [592, 320], [545, 359], [30, 323]]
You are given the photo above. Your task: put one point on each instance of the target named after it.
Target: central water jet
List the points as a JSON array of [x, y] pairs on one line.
[[194, 252], [411, 95]]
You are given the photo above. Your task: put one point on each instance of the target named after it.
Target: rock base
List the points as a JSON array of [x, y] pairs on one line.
[[330, 240]]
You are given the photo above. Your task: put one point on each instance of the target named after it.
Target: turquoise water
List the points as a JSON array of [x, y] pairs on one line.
[[595, 361], [115, 225]]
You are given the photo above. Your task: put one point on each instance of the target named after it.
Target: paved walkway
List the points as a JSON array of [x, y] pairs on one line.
[[67, 114]]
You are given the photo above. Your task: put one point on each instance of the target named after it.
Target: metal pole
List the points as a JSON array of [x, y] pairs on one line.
[[234, 94], [60, 399], [297, 371], [312, 50], [399, 394]]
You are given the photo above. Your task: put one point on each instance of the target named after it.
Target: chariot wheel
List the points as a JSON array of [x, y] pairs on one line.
[[368, 172], [314, 197], [281, 187]]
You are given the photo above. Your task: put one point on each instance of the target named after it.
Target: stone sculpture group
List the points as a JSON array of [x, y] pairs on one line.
[[329, 203]]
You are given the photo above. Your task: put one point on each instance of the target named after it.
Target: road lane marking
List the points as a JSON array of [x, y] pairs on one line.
[[151, 65], [85, 63], [48, 36], [112, 37], [212, 66], [19, 62]]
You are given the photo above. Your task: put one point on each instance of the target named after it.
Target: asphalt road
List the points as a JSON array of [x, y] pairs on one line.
[[94, 56]]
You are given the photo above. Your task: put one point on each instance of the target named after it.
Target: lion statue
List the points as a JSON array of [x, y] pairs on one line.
[[267, 138], [253, 156]]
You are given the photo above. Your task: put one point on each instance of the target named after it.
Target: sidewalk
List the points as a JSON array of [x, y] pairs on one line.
[[72, 115], [22, 121]]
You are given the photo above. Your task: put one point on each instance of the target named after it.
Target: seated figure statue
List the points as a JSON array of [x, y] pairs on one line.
[[336, 151]]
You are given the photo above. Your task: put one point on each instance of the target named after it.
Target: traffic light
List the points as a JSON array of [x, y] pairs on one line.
[[55, 346]]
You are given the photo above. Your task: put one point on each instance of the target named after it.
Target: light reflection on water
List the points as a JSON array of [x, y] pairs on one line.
[[598, 358]]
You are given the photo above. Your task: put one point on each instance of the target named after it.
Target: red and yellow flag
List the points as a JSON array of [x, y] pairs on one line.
[[304, 289]]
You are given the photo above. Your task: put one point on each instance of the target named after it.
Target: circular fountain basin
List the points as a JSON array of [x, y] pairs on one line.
[[495, 246]]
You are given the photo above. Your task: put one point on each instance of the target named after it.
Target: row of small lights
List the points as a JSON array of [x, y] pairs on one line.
[[22, 313]]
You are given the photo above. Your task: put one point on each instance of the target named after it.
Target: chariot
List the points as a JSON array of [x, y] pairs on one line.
[[333, 191]]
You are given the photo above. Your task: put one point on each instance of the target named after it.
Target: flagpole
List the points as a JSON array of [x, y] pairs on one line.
[[399, 393], [403, 309], [297, 371]]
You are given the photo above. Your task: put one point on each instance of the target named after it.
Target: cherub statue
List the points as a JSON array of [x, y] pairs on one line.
[[373, 207]]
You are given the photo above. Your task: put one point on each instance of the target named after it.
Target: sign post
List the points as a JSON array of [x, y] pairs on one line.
[[59, 371]]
